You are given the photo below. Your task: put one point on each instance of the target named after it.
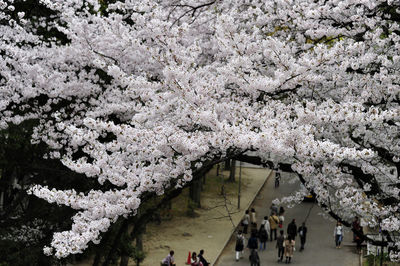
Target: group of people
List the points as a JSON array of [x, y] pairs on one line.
[[268, 231], [270, 223], [357, 233], [195, 260], [198, 260]]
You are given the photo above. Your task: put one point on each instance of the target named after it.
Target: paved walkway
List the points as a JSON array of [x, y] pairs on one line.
[[320, 247]]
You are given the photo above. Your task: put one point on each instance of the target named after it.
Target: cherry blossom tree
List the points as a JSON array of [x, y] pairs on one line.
[[142, 94]]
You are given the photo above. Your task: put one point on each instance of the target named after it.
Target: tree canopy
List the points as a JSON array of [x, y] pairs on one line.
[[138, 95]]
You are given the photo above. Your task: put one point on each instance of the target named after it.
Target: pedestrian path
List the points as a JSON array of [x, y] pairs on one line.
[[320, 246]]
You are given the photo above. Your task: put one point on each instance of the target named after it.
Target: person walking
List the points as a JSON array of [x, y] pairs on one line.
[[239, 245], [254, 258], [266, 225], [302, 233], [169, 260], [273, 209], [280, 245], [359, 239], [253, 218], [355, 226], [281, 210], [253, 242], [289, 249], [281, 220], [273, 223], [202, 259], [357, 233], [292, 229], [263, 237], [338, 234], [277, 179], [246, 221]]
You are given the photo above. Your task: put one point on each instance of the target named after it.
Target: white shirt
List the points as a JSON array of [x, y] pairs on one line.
[[266, 225], [338, 230], [246, 219]]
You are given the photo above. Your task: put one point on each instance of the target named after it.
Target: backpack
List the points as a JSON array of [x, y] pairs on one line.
[[279, 241], [254, 258], [239, 241], [262, 233], [253, 243]]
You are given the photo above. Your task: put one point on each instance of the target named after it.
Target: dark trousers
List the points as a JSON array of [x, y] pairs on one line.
[[254, 261], [281, 250], [302, 242], [338, 240], [272, 231], [245, 228], [358, 241]]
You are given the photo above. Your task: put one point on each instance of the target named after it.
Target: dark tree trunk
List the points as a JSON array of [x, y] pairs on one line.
[[100, 251], [139, 242], [195, 193], [124, 260], [139, 245], [124, 251], [97, 258], [6, 185], [227, 164], [232, 171], [117, 239]]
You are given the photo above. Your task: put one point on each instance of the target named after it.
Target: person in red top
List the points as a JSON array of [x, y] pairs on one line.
[[195, 261]]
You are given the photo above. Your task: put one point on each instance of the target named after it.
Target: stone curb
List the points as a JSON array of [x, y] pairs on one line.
[[251, 203]]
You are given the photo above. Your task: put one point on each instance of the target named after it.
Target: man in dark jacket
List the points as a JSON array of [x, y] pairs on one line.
[[254, 258], [202, 259], [253, 242], [263, 237], [302, 233], [292, 229]]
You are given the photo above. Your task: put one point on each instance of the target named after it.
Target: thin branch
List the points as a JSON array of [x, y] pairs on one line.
[[101, 54], [192, 9]]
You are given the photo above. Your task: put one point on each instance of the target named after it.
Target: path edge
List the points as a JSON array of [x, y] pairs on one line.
[[248, 206]]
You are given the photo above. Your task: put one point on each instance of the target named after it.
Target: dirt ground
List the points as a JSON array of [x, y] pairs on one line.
[[212, 227]]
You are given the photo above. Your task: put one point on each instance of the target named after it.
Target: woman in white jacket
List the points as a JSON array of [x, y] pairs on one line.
[[338, 234]]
